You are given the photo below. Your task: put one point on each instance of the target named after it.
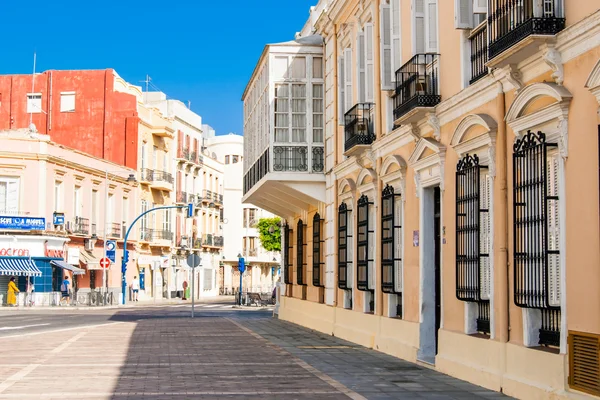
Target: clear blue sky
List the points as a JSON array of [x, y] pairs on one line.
[[197, 50]]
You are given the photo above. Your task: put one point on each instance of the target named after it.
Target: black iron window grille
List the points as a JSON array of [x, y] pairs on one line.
[[300, 253], [479, 52], [536, 231], [318, 159], [317, 254], [287, 255], [511, 21], [473, 270], [258, 170], [363, 248], [290, 158], [417, 84], [344, 247], [359, 125], [391, 244]]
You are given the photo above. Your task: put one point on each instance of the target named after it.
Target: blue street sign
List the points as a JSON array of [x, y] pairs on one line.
[[59, 218], [111, 250], [241, 265], [22, 223]]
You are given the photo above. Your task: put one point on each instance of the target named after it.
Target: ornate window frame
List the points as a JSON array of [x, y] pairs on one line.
[[553, 121]]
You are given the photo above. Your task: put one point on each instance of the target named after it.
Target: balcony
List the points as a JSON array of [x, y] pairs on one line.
[[145, 235], [146, 176], [81, 226], [359, 128], [479, 52], [181, 197], [417, 88], [218, 241], [114, 230], [161, 180], [250, 252], [518, 28], [207, 240], [286, 179], [161, 234]]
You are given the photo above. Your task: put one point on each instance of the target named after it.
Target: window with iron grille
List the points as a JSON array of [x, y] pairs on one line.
[[364, 245], [317, 253], [473, 236], [287, 255], [391, 244], [536, 231], [300, 253], [344, 247]]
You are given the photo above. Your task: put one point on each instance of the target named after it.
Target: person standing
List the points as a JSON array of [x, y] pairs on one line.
[[30, 289], [64, 288], [11, 298], [135, 287]]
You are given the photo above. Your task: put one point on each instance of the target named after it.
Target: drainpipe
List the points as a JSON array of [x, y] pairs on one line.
[[502, 266], [377, 272]]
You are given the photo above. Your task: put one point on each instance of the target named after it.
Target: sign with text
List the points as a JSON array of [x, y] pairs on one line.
[[111, 250], [22, 223]]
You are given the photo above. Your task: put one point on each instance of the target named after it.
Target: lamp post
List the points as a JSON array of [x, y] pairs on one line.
[[130, 179], [241, 268]]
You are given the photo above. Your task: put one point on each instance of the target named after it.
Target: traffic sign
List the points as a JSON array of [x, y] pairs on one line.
[[241, 265], [111, 247], [105, 263], [193, 260]]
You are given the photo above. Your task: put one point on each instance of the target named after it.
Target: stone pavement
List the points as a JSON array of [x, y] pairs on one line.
[[164, 354]]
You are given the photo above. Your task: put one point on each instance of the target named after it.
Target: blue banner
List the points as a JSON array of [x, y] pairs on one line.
[[22, 223]]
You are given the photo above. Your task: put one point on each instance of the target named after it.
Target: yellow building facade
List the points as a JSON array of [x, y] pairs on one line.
[[459, 223]]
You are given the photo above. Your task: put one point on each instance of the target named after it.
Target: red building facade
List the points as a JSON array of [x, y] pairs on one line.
[[79, 109]]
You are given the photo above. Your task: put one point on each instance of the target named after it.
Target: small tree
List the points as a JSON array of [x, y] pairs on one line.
[[270, 233]]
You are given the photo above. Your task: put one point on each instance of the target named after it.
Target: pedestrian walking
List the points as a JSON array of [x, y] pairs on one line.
[[11, 298], [135, 288], [64, 289], [30, 289]]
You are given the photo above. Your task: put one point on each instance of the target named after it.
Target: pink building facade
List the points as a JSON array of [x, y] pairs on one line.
[[57, 209]]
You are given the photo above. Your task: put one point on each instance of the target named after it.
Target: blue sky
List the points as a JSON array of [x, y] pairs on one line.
[[196, 50]]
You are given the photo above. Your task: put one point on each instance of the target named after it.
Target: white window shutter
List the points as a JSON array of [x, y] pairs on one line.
[[419, 25], [361, 59], [480, 6], [350, 249], [341, 87], [369, 63], [12, 196], [386, 48], [398, 243], [485, 237], [348, 79], [396, 41], [371, 248], [463, 14], [431, 31], [553, 231]]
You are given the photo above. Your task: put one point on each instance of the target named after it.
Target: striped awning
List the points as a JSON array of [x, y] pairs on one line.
[[18, 267], [68, 267]]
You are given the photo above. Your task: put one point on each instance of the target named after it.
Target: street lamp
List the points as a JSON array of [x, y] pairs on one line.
[[131, 180], [241, 268]]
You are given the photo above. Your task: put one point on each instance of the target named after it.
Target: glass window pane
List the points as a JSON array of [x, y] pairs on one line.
[[317, 67], [299, 67]]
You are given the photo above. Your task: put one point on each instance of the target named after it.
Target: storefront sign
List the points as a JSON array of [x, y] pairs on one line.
[[12, 252], [73, 256], [53, 251], [23, 224]]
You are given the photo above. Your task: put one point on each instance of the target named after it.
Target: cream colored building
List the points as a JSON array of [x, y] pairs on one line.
[[155, 174], [457, 225]]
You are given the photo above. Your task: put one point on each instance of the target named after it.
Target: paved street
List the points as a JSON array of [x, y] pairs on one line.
[[159, 352]]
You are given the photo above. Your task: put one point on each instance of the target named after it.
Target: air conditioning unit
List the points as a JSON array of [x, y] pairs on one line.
[[88, 245]]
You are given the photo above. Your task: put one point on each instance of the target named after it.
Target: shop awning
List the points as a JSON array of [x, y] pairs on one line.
[[18, 267], [68, 267], [90, 260]]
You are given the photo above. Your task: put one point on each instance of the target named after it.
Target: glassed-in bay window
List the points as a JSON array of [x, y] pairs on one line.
[[282, 109], [298, 113], [318, 108]]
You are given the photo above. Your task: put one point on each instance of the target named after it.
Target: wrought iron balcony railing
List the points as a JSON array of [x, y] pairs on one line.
[[181, 197], [81, 226], [290, 158], [257, 171], [207, 239], [161, 234], [479, 52], [183, 153], [417, 84], [251, 252], [359, 125], [114, 230], [511, 21], [146, 234], [318, 159], [147, 175], [162, 176], [218, 241]]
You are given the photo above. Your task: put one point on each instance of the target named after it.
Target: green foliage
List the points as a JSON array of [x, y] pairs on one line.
[[270, 241]]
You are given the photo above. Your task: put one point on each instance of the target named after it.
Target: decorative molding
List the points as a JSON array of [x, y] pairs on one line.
[[436, 160], [417, 179], [492, 160], [394, 140], [533, 91], [514, 77], [434, 122], [563, 131], [553, 58], [593, 83], [470, 121]]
